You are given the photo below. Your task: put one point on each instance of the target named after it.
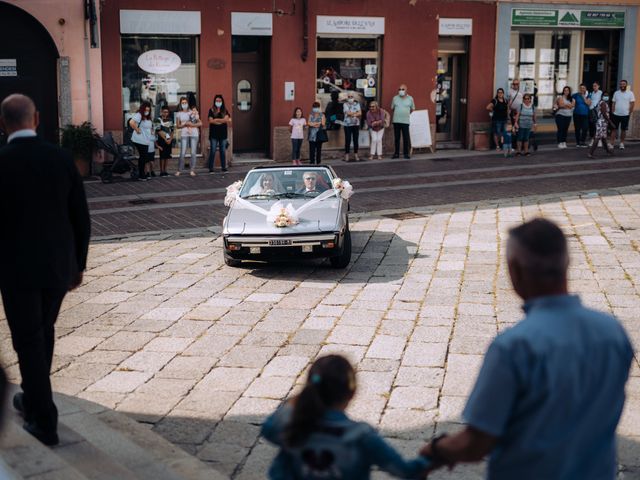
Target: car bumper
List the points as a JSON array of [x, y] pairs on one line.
[[258, 247]]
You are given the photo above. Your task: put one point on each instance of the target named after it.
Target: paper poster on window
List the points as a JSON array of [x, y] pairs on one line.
[[560, 84], [545, 87], [527, 55], [545, 70], [564, 55], [545, 102], [529, 85], [527, 71], [446, 85], [547, 55], [369, 92], [512, 72], [600, 66], [512, 55], [587, 66], [338, 81], [361, 83], [562, 71], [371, 69]]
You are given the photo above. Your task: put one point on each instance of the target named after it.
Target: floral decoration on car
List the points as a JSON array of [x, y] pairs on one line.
[[233, 191], [344, 187]]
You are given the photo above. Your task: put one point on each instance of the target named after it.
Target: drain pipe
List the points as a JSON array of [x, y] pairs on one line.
[[305, 30], [87, 61]]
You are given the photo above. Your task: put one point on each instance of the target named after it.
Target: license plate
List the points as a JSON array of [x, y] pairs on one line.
[[279, 243]]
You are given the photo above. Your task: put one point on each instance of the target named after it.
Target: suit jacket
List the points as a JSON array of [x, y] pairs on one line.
[[44, 217]]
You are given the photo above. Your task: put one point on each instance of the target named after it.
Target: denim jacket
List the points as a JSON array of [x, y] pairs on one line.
[[362, 445]]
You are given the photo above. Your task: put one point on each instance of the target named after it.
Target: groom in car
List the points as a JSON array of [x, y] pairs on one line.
[[311, 186]]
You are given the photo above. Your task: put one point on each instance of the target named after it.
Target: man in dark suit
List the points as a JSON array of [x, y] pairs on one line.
[[311, 186], [44, 240]]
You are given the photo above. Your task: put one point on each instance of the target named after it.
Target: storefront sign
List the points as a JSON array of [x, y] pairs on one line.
[[534, 17], [596, 18], [567, 18], [8, 67], [350, 25], [159, 61], [455, 26], [249, 23], [163, 22]]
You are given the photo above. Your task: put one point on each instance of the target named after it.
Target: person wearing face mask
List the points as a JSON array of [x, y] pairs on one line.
[[219, 120], [164, 140], [402, 106], [188, 123], [351, 122], [603, 125], [143, 138], [623, 103], [317, 122], [375, 121]]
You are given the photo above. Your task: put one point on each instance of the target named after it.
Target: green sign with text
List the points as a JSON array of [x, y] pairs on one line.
[[528, 17]]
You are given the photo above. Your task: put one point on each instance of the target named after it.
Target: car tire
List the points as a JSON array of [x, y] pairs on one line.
[[342, 260], [230, 261]]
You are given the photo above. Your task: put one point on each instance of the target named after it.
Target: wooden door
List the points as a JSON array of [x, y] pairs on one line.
[[250, 95]]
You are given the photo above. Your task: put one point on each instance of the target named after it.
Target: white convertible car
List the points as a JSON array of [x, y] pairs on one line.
[[289, 212]]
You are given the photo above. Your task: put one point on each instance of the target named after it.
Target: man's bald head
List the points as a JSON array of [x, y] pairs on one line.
[[18, 112]]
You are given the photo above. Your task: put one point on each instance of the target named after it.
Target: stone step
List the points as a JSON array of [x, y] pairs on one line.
[[95, 444]]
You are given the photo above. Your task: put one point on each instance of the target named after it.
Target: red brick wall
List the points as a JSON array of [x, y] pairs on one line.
[[409, 53]]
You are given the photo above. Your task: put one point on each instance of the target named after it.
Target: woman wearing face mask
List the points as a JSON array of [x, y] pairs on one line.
[[603, 125], [317, 122], [352, 114], [188, 123], [219, 119], [143, 137]]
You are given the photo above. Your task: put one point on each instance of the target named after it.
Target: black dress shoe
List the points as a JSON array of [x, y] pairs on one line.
[[407, 157], [395, 155], [49, 438], [18, 402]]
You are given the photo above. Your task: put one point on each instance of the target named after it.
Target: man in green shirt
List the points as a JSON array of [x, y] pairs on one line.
[[402, 106]]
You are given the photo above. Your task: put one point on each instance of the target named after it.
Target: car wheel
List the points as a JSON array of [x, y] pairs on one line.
[[230, 261], [343, 259]]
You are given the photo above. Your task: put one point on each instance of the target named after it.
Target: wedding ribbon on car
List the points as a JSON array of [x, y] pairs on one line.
[[281, 214]]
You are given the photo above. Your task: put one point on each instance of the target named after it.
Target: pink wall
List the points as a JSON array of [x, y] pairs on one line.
[[69, 39]]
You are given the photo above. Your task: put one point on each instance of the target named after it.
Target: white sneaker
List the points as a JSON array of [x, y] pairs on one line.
[[193, 174], [560, 145], [621, 146], [177, 174]]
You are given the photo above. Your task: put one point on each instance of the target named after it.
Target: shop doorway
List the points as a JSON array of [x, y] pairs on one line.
[[451, 93], [29, 65], [594, 69], [250, 59]]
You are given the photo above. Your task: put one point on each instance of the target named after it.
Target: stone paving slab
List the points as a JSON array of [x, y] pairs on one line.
[[201, 352]]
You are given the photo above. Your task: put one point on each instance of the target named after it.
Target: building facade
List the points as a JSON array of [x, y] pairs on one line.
[[50, 51], [268, 57], [548, 45]]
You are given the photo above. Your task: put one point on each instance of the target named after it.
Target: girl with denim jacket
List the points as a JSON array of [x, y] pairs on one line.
[[318, 440]]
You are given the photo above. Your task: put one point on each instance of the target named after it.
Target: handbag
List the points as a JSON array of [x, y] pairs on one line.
[[321, 135]]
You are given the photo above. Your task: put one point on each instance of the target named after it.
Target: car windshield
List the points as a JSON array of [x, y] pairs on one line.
[[284, 183]]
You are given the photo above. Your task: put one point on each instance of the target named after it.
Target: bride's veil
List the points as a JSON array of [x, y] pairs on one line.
[[256, 188]]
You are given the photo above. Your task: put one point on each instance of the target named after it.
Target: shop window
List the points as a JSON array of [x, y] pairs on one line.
[[545, 61], [348, 64], [159, 83]]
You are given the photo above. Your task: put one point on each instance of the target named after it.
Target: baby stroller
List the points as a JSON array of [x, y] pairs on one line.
[[120, 159]]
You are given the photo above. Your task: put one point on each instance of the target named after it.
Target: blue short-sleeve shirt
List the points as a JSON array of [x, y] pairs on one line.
[[552, 390]]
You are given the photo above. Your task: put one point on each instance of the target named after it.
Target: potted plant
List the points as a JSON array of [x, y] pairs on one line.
[[80, 140]]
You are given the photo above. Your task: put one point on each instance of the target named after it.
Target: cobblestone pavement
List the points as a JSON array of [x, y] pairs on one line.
[[163, 330], [190, 202]]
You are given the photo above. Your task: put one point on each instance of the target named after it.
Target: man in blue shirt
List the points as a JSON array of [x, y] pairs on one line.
[[551, 390], [581, 115]]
